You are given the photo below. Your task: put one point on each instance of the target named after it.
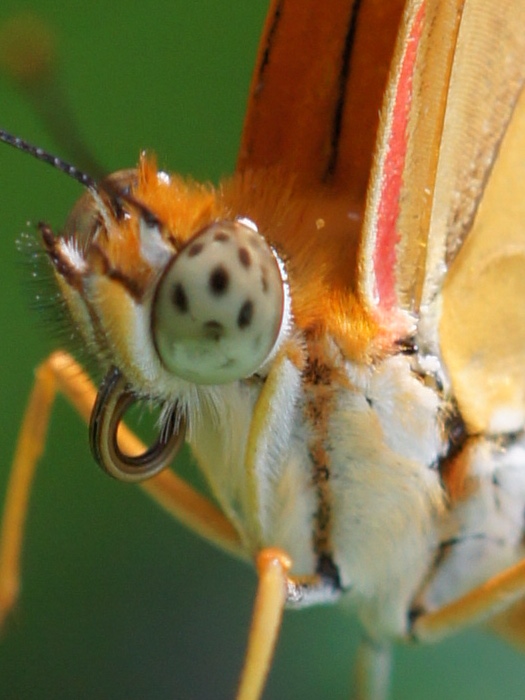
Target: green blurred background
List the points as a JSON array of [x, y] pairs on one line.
[[119, 601]]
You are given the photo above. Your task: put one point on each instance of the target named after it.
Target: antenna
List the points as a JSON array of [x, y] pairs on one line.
[[44, 156], [28, 58], [83, 178]]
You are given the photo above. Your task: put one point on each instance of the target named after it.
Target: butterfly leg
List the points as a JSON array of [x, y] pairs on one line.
[[60, 373], [272, 568], [492, 597], [275, 591], [372, 670]]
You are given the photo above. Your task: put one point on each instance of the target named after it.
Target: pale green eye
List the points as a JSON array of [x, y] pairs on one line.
[[219, 306]]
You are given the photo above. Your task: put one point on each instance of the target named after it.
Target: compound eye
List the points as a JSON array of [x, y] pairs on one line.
[[85, 217], [219, 306]]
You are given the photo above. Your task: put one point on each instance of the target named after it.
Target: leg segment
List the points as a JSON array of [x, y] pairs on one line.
[[372, 671], [29, 448], [272, 567], [276, 589], [493, 596]]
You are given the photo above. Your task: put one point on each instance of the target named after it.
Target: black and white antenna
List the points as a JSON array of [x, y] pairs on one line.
[[55, 162], [83, 178]]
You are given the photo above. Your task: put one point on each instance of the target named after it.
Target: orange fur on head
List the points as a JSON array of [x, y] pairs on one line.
[[315, 234]]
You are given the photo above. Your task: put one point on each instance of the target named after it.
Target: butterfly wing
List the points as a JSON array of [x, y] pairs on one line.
[[482, 326], [316, 91], [449, 169]]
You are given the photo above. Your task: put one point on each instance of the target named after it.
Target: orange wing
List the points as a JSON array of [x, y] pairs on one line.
[[317, 90]]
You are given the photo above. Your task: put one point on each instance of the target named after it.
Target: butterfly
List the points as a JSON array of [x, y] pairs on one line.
[[388, 343]]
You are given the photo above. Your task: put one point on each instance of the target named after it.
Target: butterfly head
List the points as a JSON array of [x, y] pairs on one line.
[[159, 276]]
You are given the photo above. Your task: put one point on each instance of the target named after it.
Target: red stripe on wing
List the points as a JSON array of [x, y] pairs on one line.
[[387, 235]]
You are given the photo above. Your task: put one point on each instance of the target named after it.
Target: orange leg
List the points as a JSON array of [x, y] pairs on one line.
[[61, 373], [276, 589], [272, 567], [492, 597]]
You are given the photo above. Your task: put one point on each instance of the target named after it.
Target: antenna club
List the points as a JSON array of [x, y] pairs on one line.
[[27, 49]]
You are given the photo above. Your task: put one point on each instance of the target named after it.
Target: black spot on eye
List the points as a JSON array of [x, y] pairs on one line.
[[245, 315], [245, 257], [221, 237], [219, 280], [213, 330], [195, 249], [179, 298], [264, 279]]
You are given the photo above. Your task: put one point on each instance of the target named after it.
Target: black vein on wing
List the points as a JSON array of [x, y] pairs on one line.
[[344, 72], [270, 40]]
